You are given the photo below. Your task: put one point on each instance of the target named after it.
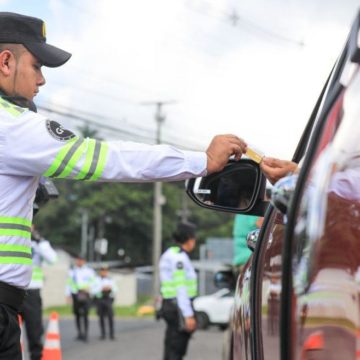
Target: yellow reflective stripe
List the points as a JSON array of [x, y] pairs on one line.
[[60, 157], [15, 226], [69, 167], [15, 220], [15, 248], [15, 260], [15, 254], [101, 162], [89, 156], [11, 108], [37, 274], [175, 249]]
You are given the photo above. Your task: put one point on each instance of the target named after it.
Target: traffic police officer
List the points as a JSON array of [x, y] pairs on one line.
[[32, 146], [80, 287], [32, 308], [178, 289], [105, 293]]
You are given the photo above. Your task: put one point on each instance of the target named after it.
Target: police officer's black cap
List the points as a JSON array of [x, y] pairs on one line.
[[31, 32]]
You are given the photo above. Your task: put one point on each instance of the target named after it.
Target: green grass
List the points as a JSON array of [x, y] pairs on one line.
[[121, 311]]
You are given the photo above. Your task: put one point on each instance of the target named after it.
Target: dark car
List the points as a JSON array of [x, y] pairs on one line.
[[298, 295]]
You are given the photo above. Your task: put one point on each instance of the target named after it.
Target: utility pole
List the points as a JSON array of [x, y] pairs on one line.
[[159, 201], [184, 212], [84, 231]]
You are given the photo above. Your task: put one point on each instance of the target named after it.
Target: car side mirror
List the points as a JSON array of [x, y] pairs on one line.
[[238, 188]]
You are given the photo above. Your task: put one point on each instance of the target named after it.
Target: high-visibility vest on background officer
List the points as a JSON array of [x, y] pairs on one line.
[[105, 290], [79, 288], [31, 310], [178, 289], [31, 146]]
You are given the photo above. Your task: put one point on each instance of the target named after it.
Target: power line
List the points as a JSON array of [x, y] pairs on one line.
[[233, 18], [71, 114]]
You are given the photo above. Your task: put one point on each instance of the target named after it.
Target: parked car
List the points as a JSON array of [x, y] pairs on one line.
[[298, 295], [214, 309]]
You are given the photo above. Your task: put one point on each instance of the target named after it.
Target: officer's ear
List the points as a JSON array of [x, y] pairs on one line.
[[7, 61]]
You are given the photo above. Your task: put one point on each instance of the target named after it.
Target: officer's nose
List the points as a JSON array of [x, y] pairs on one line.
[[41, 80]]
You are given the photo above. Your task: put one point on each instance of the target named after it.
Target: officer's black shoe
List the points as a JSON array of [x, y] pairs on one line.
[[79, 337], [112, 337], [102, 337]]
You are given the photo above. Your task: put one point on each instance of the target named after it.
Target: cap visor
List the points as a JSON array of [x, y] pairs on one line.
[[48, 55]]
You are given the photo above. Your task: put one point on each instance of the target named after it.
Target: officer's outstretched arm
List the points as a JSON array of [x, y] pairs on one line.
[[33, 145]]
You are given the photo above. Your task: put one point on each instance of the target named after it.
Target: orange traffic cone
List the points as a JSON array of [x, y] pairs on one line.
[[52, 348], [21, 325], [314, 342]]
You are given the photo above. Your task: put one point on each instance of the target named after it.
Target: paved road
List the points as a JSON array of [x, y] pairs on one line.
[[135, 340]]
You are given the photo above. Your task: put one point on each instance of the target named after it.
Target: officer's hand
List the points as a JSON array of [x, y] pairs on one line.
[[275, 169], [190, 323], [221, 148]]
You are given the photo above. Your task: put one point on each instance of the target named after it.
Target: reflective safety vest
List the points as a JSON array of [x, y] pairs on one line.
[[15, 252], [32, 146], [81, 278], [178, 277]]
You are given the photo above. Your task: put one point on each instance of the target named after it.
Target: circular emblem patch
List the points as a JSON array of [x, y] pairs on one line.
[[58, 132], [179, 265]]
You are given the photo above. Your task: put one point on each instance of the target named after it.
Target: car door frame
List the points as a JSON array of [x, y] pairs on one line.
[[334, 90], [266, 229]]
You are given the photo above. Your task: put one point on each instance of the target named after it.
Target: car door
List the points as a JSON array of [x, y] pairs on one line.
[[320, 294], [268, 308]]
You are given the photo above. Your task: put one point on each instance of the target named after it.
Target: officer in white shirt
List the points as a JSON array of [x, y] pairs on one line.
[[79, 289], [178, 289], [31, 146], [42, 252], [105, 290]]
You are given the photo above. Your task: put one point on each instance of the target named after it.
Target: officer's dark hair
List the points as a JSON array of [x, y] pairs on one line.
[[184, 231]]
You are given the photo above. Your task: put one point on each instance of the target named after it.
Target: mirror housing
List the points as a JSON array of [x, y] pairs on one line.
[[238, 188]]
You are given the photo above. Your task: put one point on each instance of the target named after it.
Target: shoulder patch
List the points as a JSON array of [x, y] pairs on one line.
[[179, 265], [58, 132]]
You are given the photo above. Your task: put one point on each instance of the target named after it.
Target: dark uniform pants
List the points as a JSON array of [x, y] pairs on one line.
[[81, 307], [32, 315], [105, 310], [176, 340], [9, 334]]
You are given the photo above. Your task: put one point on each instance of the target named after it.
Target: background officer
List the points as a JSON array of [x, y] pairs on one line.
[[32, 308], [105, 294], [178, 289], [79, 288]]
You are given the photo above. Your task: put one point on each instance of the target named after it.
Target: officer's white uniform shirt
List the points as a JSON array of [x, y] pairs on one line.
[[168, 264], [105, 282], [31, 146], [79, 276], [41, 252]]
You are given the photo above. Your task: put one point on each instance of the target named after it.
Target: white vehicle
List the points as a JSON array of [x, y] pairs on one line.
[[214, 309]]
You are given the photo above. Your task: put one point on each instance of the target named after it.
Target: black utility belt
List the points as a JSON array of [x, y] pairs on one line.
[[11, 296], [174, 301]]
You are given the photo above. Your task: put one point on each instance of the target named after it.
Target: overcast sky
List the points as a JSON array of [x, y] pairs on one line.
[[250, 67]]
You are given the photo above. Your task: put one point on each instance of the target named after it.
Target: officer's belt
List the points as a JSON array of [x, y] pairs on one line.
[[172, 301], [11, 296]]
